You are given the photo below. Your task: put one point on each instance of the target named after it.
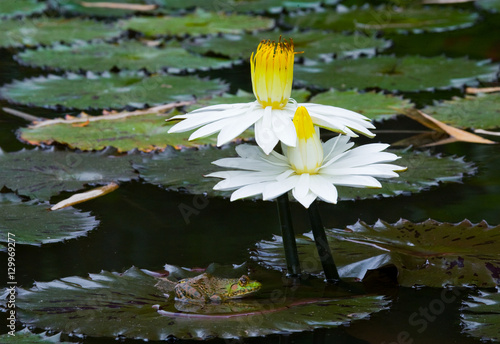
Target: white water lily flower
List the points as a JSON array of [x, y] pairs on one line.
[[310, 170], [272, 112]]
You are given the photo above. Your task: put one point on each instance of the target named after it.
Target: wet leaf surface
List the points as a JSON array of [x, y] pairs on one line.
[[41, 174], [429, 253], [387, 19], [76, 7], [106, 91], [197, 23], [376, 106], [33, 32], [33, 224], [130, 306], [489, 5], [481, 316], [315, 44], [478, 112], [101, 57], [252, 6], [410, 73], [27, 337], [20, 8]]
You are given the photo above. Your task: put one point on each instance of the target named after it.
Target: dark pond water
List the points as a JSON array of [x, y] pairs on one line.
[[141, 225]]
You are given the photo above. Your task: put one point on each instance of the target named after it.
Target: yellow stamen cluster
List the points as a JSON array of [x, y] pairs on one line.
[[307, 156], [272, 73]]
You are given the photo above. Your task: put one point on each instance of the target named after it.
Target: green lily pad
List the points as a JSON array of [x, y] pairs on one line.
[[108, 90], [489, 5], [299, 95], [410, 73], [387, 19], [20, 8], [315, 44], [100, 57], [478, 112], [253, 6], [42, 174], [33, 32], [481, 316], [33, 224], [129, 305], [26, 337], [376, 106], [429, 253], [196, 24], [75, 7], [184, 170], [144, 132]]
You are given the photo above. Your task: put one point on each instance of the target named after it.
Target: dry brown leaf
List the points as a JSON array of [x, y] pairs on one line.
[[132, 7], [454, 133], [86, 196], [473, 90]]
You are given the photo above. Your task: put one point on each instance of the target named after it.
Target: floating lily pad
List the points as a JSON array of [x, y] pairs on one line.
[[478, 112], [387, 19], [33, 224], [254, 6], [100, 57], [198, 23], [481, 316], [42, 174], [299, 95], [32, 32], [76, 7], [185, 170], [376, 106], [489, 5], [410, 73], [9, 9], [108, 90], [129, 305], [315, 44], [429, 253], [145, 132], [27, 337]]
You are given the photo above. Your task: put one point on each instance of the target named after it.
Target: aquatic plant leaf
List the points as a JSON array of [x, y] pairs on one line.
[[33, 224], [409, 73], [184, 170], [387, 19], [26, 337], [33, 32], [76, 7], [481, 316], [41, 174], [478, 112], [253, 6], [129, 305], [489, 5], [106, 91], [299, 95], [429, 253], [9, 9], [376, 106], [101, 57], [146, 132], [198, 23], [315, 44]]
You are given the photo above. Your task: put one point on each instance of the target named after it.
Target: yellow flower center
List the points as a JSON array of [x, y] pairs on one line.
[[272, 73], [307, 156]]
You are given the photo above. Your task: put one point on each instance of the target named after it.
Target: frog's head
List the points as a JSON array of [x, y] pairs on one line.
[[242, 287]]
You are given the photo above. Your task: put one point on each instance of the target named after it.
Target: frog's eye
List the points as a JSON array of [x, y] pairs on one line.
[[243, 281]]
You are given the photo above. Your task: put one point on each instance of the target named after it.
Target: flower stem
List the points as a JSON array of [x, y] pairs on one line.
[[291, 255], [324, 252]]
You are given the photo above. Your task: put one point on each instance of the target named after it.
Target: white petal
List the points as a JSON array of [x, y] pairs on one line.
[[283, 128], [323, 188], [264, 135], [247, 191], [305, 200], [278, 188], [238, 125], [302, 187], [354, 181], [208, 129]]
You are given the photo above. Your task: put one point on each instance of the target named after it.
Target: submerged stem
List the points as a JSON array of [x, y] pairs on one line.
[[324, 252], [291, 255]]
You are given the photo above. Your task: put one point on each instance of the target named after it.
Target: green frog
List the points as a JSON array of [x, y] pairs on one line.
[[208, 288]]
